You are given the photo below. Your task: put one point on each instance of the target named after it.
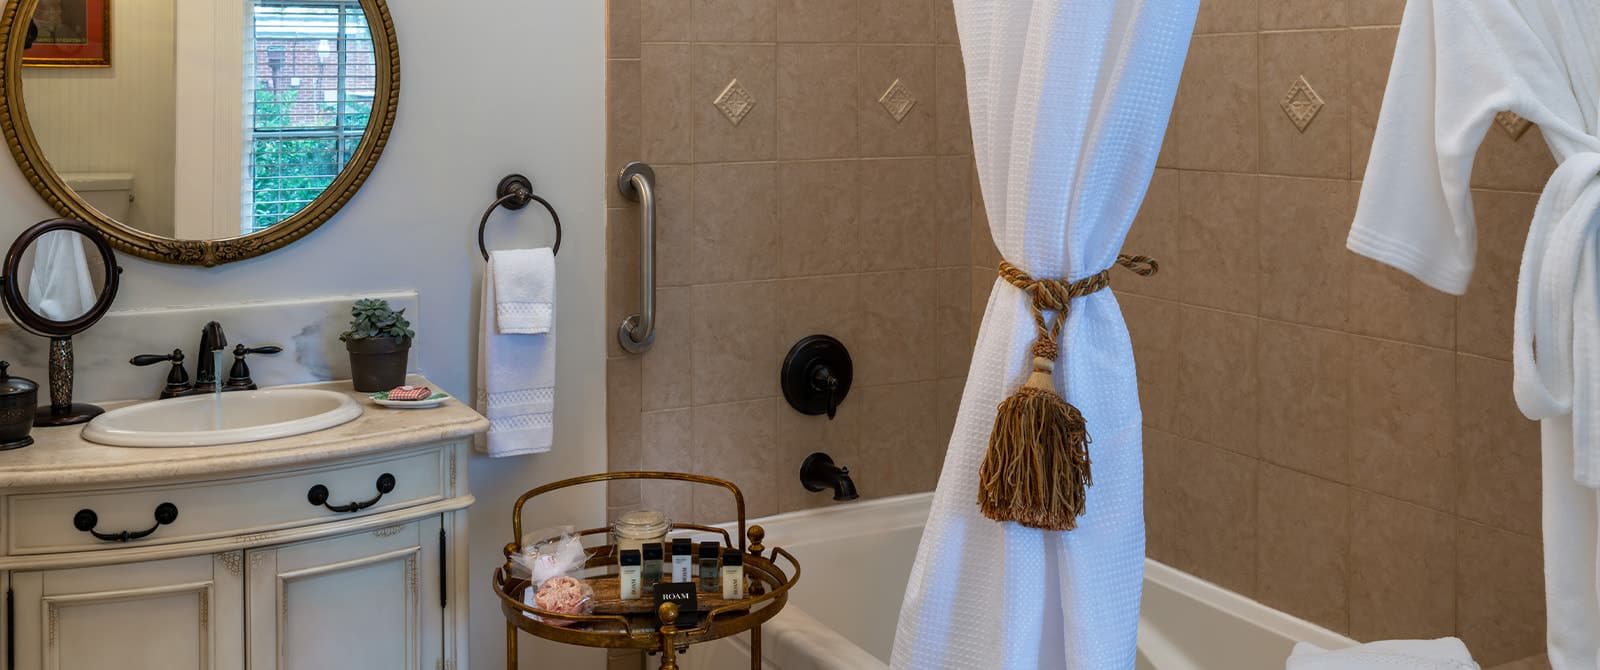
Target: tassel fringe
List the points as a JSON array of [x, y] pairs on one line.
[[1036, 471]]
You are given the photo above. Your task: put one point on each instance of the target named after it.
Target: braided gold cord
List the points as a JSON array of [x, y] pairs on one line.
[[1055, 295]]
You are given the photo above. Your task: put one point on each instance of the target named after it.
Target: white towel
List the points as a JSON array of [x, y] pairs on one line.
[[525, 291], [1442, 654], [59, 286], [517, 353]]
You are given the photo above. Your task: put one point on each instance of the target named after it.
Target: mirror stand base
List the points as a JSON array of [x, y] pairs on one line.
[[74, 414]]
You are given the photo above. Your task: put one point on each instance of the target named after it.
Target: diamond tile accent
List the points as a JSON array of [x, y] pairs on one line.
[[1514, 125], [1301, 103], [735, 102], [898, 101]]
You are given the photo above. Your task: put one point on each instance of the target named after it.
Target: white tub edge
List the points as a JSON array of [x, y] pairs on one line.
[[825, 523], [1240, 607]]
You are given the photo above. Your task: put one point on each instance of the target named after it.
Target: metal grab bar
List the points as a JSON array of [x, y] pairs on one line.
[[637, 332]]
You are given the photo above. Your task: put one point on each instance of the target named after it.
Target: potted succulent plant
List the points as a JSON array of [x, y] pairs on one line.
[[379, 341]]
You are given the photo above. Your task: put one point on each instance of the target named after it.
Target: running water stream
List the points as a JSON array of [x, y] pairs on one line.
[[216, 391]]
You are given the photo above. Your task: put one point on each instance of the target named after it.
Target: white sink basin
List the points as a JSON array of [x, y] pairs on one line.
[[244, 416]]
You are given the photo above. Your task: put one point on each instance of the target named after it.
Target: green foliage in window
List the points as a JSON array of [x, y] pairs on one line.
[[292, 168]]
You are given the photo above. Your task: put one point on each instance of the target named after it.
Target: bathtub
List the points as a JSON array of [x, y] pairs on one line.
[[845, 551]]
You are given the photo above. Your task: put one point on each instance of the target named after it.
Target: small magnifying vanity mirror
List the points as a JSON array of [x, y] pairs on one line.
[[194, 131], [60, 277]]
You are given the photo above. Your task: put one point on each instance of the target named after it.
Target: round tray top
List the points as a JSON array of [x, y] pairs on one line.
[[638, 624], [641, 624]]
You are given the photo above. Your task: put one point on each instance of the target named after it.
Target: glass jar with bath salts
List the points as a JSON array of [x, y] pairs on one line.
[[634, 529]]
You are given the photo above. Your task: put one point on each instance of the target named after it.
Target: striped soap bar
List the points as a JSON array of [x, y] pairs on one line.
[[409, 393]]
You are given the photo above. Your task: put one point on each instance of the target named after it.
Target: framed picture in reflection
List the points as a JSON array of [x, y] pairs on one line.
[[70, 33]]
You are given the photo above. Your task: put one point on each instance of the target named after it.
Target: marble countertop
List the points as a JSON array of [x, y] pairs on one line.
[[61, 457]]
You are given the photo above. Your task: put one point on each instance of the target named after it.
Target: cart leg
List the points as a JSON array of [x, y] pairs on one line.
[[755, 648], [668, 614], [511, 646]]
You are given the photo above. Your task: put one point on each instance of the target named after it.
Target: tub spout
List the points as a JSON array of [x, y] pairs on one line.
[[818, 473]]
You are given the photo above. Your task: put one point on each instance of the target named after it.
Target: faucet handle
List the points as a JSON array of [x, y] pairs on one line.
[[177, 377], [239, 374], [265, 349], [151, 359]]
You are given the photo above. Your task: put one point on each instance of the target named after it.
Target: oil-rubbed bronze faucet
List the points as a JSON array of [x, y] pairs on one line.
[[212, 340], [205, 369]]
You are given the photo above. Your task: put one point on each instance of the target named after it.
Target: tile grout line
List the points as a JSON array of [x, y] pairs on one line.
[[1349, 380], [1310, 326]]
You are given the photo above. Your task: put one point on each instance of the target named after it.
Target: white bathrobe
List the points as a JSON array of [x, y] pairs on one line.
[[1458, 63]]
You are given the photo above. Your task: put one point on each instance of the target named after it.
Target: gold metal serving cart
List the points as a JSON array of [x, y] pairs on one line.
[[640, 624]]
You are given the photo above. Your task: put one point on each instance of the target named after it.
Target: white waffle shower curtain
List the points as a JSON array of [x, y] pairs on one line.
[[1069, 102]]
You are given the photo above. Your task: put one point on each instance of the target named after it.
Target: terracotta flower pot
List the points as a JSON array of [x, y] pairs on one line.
[[378, 363]]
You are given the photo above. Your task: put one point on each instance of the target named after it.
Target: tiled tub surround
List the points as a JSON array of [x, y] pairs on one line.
[[1325, 434], [814, 176]]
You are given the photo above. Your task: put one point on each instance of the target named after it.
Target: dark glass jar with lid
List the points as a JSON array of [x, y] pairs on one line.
[[19, 397]]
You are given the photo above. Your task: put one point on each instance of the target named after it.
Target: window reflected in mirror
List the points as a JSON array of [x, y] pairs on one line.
[[312, 85]]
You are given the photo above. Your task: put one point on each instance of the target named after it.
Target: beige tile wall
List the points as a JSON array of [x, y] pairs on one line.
[[1324, 434], [818, 212]]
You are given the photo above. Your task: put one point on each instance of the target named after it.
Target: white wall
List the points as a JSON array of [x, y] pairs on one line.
[[80, 132], [211, 132], [488, 87]]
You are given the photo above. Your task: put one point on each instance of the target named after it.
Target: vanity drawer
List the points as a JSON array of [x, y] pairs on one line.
[[48, 522]]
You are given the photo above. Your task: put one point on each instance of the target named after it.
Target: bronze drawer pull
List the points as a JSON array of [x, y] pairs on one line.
[[318, 495], [85, 520]]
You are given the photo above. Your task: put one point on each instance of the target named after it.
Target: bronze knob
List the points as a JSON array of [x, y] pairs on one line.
[[668, 613], [757, 534]]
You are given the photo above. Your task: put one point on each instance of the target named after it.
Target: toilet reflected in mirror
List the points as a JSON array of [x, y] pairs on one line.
[[60, 277]]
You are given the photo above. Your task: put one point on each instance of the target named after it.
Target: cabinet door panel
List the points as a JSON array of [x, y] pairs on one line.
[[367, 601], [177, 614]]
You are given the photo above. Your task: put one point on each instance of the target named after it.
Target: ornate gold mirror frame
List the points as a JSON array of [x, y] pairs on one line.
[[25, 148]]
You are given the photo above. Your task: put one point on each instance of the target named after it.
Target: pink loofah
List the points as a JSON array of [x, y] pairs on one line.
[[564, 595]]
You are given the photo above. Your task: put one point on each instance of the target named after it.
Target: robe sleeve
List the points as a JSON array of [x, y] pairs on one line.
[[1445, 86]]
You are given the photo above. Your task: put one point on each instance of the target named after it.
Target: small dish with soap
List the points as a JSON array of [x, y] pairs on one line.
[[410, 397]]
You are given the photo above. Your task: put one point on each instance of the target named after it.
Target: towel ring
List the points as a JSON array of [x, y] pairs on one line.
[[515, 192]]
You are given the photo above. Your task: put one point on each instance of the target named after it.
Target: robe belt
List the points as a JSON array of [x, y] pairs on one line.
[[1556, 337]]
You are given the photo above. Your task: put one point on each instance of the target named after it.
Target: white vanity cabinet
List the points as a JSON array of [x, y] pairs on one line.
[[177, 614], [369, 600], [339, 550]]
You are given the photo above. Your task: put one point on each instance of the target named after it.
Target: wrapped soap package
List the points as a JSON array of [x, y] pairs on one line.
[[551, 566]]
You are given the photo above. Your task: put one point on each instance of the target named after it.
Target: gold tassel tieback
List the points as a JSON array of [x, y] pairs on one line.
[[1036, 471]]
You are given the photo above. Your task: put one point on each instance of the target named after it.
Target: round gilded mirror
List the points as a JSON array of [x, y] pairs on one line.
[[198, 132]]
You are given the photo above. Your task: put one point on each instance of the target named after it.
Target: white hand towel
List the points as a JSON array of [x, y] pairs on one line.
[[525, 291], [517, 353], [1442, 654], [59, 286]]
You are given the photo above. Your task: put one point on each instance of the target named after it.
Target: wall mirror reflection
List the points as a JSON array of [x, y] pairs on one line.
[[219, 130]]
